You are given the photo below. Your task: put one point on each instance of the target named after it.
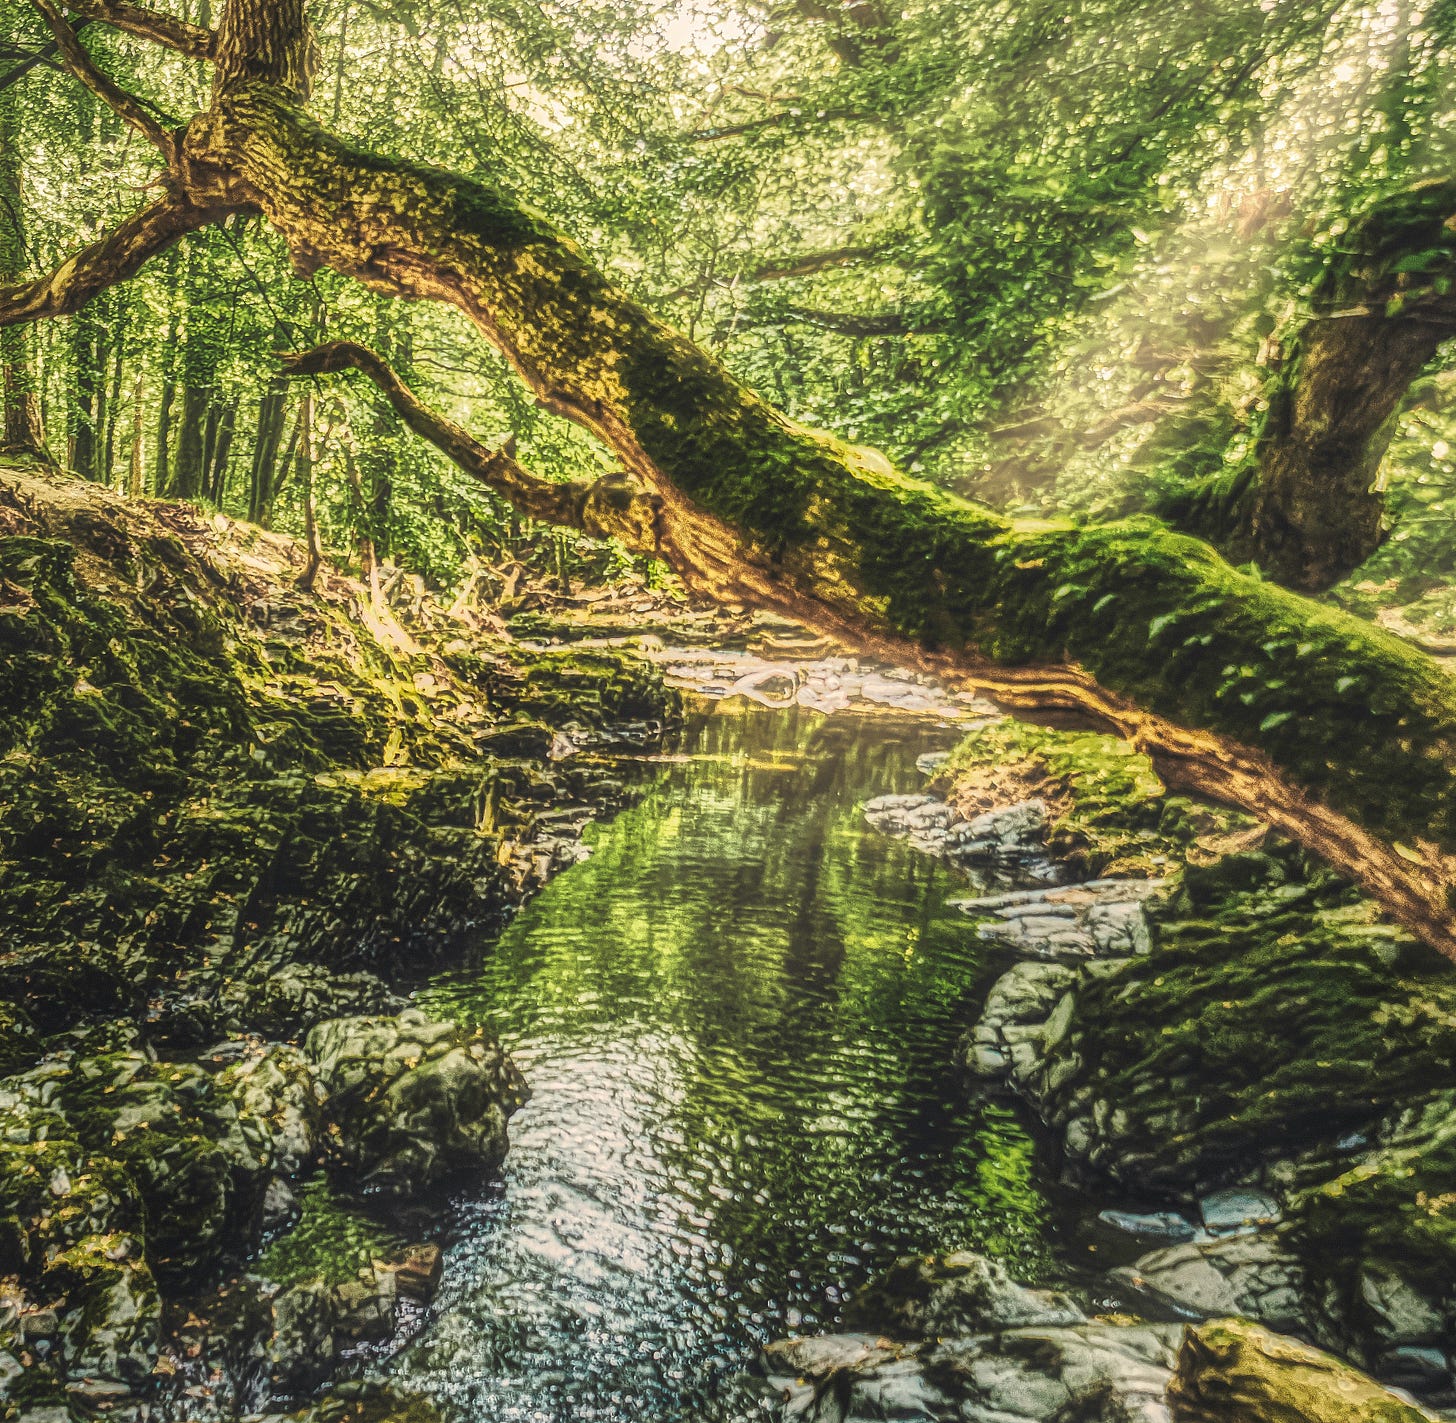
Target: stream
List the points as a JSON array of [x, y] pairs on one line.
[[738, 1019]]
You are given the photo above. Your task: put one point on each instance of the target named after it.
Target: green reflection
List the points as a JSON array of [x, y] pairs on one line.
[[739, 1019]]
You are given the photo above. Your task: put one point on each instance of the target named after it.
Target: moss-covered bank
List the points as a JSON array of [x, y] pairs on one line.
[[232, 811]]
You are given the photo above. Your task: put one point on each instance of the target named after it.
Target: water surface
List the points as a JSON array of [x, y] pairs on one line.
[[738, 1020]]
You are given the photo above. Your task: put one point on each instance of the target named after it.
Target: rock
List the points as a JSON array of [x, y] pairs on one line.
[[111, 1326], [417, 1270], [1103, 918], [1159, 1225], [1229, 1369], [1251, 1275], [1239, 1209], [295, 996], [1009, 1038], [414, 1101], [921, 1297], [1095, 1372]]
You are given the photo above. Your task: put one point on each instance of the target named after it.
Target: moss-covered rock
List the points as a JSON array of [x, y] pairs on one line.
[[1230, 1370], [412, 1101], [1273, 1026]]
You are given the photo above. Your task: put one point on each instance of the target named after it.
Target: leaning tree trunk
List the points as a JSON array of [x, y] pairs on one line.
[[1328, 728], [1308, 507]]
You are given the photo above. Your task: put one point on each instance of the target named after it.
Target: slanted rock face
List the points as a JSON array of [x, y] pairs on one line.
[[1229, 1369], [414, 1101]]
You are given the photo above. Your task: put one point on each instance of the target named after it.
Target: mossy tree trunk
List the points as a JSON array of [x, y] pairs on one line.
[[1330, 729], [1308, 507], [21, 428]]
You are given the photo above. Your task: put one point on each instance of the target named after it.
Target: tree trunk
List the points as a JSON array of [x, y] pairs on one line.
[[21, 427], [189, 471], [1308, 509], [310, 511], [1324, 726], [263, 477]]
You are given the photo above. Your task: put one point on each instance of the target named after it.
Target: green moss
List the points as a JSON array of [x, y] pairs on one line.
[[1277, 1020], [333, 1239], [1110, 812]]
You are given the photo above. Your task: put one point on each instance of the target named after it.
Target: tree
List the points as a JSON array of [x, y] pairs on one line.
[[1328, 729], [1308, 504], [21, 428]]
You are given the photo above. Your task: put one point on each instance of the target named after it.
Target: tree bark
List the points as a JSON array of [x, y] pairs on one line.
[[21, 427], [1328, 728], [1309, 507]]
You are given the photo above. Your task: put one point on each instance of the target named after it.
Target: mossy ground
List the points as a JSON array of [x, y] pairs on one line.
[[1110, 814], [228, 807]]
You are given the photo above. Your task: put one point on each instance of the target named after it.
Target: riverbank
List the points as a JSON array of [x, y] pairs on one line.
[[1246, 1072], [241, 818]]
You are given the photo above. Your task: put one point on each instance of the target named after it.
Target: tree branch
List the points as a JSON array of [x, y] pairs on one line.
[[192, 40], [611, 507], [84, 69], [115, 258]]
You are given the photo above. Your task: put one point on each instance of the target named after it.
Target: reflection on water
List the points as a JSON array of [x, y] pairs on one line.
[[737, 1019]]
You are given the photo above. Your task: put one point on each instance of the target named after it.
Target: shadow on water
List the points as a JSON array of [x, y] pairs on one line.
[[738, 1020]]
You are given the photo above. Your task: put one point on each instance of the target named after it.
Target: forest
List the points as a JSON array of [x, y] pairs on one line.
[[727, 709]]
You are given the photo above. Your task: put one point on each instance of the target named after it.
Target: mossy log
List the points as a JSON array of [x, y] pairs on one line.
[[1337, 733]]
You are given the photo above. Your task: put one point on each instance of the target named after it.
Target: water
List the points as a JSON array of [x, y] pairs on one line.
[[738, 1021]]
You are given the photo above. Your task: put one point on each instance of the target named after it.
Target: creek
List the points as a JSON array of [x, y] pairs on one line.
[[738, 1019]]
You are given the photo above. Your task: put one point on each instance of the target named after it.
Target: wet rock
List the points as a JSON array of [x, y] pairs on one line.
[[417, 1270], [1255, 1276], [1231, 1369], [111, 1326], [1238, 1209], [1096, 1372], [292, 998], [1009, 1040], [1103, 918], [1157, 1225], [414, 1101], [958, 1294]]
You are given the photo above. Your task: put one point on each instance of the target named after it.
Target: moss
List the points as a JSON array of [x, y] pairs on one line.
[[333, 1239], [1278, 1021], [1110, 814]]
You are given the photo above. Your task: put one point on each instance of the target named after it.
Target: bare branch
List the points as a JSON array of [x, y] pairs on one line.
[[612, 507], [115, 258], [125, 105], [192, 40]]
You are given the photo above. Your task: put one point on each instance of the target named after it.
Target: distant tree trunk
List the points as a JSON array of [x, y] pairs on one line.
[[190, 470], [21, 428], [136, 466], [263, 481], [88, 380], [221, 452], [310, 511], [116, 356]]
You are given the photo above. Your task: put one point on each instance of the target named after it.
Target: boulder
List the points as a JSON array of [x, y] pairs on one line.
[[1229, 1369], [1095, 1372], [1251, 1275], [412, 1101], [921, 1297]]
